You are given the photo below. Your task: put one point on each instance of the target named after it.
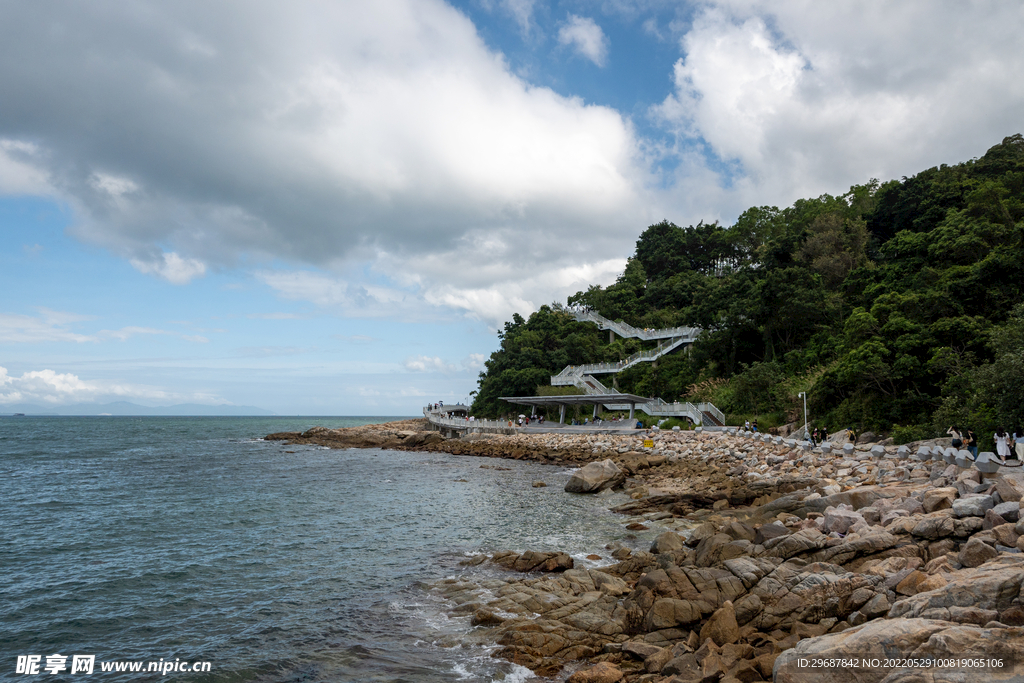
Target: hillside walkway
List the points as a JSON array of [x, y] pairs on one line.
[[582, 376]]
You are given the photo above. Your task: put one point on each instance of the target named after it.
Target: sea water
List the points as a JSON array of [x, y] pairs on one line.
[[193, 540]]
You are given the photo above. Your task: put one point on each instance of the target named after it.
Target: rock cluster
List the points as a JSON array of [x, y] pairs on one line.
[[402, 435]]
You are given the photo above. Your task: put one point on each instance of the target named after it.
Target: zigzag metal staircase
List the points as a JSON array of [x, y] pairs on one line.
[[582, 376]]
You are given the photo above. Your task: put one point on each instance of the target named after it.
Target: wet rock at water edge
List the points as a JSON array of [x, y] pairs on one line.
[[595, 477]]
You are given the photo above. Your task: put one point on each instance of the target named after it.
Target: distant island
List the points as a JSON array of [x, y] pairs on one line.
[[124, 408]]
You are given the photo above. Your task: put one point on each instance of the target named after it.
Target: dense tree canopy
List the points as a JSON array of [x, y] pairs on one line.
[[896, 306]]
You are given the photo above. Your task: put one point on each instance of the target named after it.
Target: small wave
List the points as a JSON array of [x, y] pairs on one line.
[[518, 674]]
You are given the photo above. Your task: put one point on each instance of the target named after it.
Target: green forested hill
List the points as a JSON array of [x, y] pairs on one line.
[[897, 306]]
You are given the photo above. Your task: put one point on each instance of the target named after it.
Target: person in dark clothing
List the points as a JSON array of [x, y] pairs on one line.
[[971, 442]]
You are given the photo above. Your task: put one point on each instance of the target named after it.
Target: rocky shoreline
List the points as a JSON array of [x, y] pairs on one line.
[[771, 557]]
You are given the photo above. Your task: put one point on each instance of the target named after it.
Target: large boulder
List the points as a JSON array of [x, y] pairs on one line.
[[972, 506], [603, 672], [939, 499], [534, 561], [722, 627], [976, 553], [856, 498], [669, 613], [1009, 511], [606, 583], [839, 520], [994, 586], [934, 527], [594, 477], [667, 542]]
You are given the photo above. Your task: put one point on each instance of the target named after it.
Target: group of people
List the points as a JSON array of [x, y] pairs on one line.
[[524, 421], [1008, 446]]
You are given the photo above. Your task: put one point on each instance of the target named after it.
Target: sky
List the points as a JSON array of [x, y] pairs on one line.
[[330, 208]]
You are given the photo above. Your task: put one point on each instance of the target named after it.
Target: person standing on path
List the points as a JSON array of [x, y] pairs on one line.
[[1002, 440], [1018, 442]]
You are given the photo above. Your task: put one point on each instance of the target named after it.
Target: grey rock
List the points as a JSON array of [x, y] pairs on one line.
[[976, 553], [1008, 511], [594, 477], [972, 506]]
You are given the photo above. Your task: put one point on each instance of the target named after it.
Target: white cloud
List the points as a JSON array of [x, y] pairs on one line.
[[503, 289], [112, 185], [21, 171], [346, 141], [312, 135], [522, 11], [428, 364], [50, 326], [53, 326], [808, 98], [491, 290], [55, 388], [474, 362], [125, 332], [586, 37], [171, 267], [340, 296]]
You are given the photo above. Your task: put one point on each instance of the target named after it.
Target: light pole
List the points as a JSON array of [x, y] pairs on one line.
[[804, 395]]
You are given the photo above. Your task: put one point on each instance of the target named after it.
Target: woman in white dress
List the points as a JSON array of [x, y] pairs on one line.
[[1018, 440], [1002, 440]]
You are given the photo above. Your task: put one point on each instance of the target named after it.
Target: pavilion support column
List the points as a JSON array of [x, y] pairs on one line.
[[611, 336], [595, 412], [632, 406], [561, 413]]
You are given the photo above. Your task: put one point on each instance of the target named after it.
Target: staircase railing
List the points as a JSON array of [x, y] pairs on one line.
[[582, 376], [626, 330], [710, 408], [565, 377]]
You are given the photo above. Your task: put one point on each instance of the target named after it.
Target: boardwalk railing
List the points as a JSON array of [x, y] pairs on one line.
[[439, 420]]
